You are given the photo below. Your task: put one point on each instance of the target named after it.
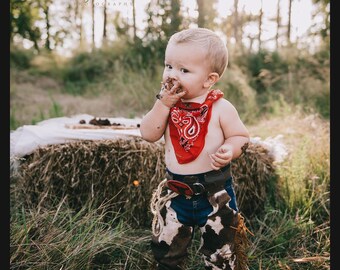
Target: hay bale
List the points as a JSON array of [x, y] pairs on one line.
[[255, 179], [92, 172], [124, 172]]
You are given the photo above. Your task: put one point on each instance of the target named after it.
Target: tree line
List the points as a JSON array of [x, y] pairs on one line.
[[47, 24]]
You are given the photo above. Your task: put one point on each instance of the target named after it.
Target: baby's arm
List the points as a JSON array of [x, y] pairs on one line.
[[235, 134], [154, 123]]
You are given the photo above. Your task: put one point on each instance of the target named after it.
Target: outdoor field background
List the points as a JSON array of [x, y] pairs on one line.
[[67, 60]]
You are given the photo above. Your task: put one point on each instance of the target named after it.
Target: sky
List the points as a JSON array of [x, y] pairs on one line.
[[301, 15]]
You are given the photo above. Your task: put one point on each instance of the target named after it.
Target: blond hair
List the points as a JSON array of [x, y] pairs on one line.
[[216, 50]]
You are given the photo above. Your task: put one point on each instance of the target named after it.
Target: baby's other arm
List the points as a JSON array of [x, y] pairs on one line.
[[235, 134]]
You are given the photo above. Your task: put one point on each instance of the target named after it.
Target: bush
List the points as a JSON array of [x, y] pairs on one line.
[[296, 76], [20, 58], [85, 67], [265, 68], [234, 84]]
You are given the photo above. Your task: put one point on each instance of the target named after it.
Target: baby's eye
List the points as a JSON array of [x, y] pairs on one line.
[[168, 66], [184, 70]]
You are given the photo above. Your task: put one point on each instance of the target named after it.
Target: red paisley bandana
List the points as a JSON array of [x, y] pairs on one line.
[[188, 123]]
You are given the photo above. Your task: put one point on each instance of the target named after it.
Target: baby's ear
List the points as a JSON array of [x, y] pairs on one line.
[[213, 77]]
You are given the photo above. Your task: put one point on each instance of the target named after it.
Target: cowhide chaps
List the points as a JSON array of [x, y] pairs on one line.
[[219, 225]]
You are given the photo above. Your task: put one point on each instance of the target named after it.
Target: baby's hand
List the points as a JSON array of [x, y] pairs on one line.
[[222, 157], [171, 92]]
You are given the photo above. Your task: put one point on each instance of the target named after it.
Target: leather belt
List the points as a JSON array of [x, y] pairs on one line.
[[198, 184]]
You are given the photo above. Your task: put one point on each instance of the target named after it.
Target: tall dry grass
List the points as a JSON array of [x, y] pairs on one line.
[[64, 239], [296, 234]]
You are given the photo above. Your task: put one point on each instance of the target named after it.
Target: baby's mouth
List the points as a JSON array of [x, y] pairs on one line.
[[169, 83]]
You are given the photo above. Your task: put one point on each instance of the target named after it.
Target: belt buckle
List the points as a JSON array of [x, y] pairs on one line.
[[197, 187], [200, 186]]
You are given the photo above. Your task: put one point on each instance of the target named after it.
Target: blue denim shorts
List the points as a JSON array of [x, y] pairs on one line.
[[195, 210]]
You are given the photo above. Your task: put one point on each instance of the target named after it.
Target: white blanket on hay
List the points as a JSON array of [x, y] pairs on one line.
[[24, 140]]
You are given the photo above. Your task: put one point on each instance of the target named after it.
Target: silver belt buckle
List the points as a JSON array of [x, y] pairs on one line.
[[200, 186]]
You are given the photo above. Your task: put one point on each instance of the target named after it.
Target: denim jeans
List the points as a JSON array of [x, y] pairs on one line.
[[195, 210]]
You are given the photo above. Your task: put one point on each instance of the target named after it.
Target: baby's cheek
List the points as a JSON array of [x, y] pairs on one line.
[[165, 75]]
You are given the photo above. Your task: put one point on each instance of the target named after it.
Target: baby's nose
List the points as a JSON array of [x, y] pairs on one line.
[[174, 77], [173, 74]]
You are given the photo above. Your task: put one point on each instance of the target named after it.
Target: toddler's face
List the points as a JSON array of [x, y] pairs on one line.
[[187, 64]]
